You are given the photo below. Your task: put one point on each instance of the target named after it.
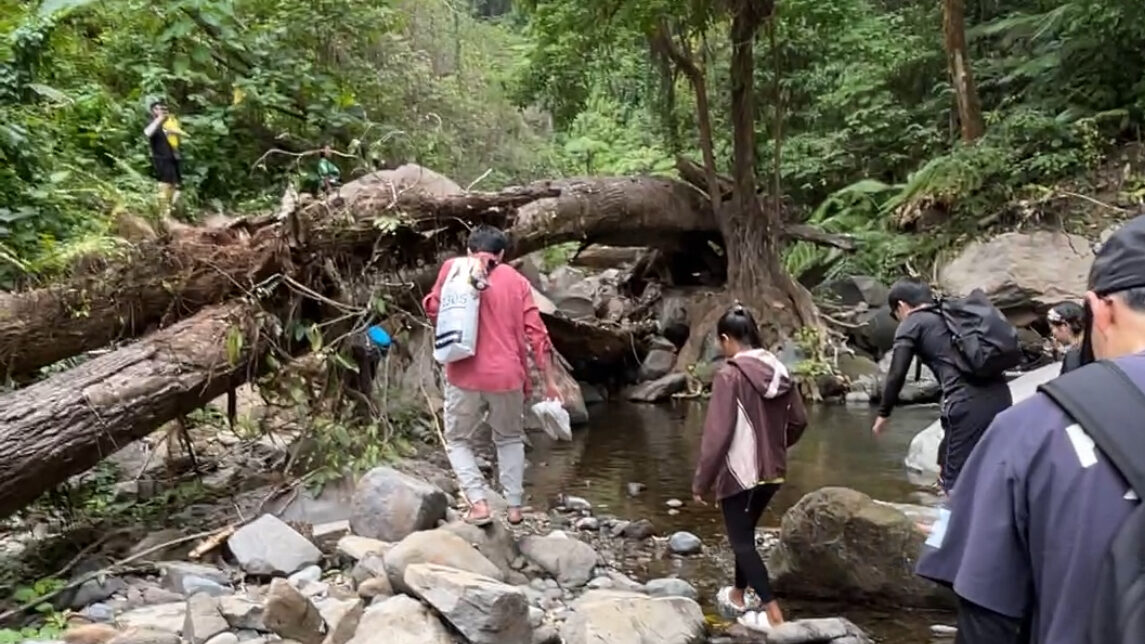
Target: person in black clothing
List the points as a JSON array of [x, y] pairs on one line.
[[967, 407], [164, 135], [1067, 322]]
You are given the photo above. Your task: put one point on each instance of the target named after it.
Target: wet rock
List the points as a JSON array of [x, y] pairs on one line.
[[224, 638], [203, 620], [291, 616], [657, 364], [587, 524], [267, 546], [627, 618], [389, 505], [640, 530], [1022, 271], [354, 547], [675, 503], [658, 390], [97, 590], [436, 547], [634, 489], [862, 375], [941, 630], [570, 561], [375, 587], [685, 543], [575, 503], [485, 611], [495, 541], [188, 578], [827, 630], [670, 587], [242, 613], [914, 392], [621, 581], [167, 618], [400, 620], [836, 543], [144, 636]]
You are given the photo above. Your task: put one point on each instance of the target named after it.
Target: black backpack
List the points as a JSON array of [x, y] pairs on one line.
[[1111, 409], [986, 343]]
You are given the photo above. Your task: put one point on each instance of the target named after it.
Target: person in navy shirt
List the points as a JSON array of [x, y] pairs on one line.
[[1037, 504]]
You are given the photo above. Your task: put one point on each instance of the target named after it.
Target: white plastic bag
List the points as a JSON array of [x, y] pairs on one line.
[[554, 419], [455, 336]]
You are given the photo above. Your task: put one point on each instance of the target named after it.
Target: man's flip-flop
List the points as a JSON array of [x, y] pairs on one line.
[[480, 522]]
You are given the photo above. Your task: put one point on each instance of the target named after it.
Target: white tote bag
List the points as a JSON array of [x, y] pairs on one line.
[[455, 337]]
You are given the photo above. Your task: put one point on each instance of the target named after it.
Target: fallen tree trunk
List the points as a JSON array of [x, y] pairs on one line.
[[66, 424], [157, 283]]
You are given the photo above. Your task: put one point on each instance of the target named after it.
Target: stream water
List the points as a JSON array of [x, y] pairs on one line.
[[657, 446]]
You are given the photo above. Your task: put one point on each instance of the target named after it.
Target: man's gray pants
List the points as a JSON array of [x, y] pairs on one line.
[[465, 410]]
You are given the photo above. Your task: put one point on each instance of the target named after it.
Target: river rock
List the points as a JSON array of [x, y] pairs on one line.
[[167, 618], [189, 578], [144, 636], [400, 620], [203, 620], [341, 618], [484, 610], [685, 543], [568, 560], [224, 638], [369, 567], [440, 547], [914, 392], [826, 630], [640, 530], [354, 547], [375, 587], [660, 389], [390, 505], [242, 613], [267, 546], [89, 634], [657, 364], [862, 374], [670, 587], [97, 590], [839, 544], [1022, 272], [290, 615], [494, 541], [627, 618], [875, 334]]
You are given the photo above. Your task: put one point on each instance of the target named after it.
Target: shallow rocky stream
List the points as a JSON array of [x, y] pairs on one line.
[[656, 447]]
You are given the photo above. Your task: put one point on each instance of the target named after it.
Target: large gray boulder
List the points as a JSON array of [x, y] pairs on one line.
[[440, 547], [619, 617], [495, 541], [660, 389], [854, 290], [400, 620], [484, 610], [267, 546], [389, 505], [839, 544], [1023, 273], [657, 364], [568, 560]]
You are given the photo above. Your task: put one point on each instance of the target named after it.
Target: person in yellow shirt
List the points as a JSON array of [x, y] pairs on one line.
[[164, 136]]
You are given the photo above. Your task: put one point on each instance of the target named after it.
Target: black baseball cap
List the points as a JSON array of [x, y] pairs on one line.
[[1120, 262]]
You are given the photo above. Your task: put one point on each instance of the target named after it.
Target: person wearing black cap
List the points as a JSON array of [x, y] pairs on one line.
[[1067, 322], [1030, 526]]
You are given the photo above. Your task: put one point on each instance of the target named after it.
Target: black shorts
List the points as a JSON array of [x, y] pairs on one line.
[[167, 171]]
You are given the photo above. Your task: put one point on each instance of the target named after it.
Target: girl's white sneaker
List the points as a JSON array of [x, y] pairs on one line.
[[756, 621]]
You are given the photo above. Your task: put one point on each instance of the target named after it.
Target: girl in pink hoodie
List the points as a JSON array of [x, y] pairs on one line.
[[754, 415]]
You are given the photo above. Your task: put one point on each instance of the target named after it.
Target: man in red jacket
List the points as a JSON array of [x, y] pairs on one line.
[[495, 380]]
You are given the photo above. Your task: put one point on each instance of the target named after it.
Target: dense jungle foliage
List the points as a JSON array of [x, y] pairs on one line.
[[855, 94]]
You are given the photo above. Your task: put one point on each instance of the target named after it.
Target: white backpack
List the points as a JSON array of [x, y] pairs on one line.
[[455, 337]]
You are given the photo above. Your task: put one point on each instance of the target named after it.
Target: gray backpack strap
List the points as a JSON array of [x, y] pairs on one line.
[[1111, 409]]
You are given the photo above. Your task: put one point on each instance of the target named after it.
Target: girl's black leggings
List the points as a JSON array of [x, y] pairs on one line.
[[741, 514]]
